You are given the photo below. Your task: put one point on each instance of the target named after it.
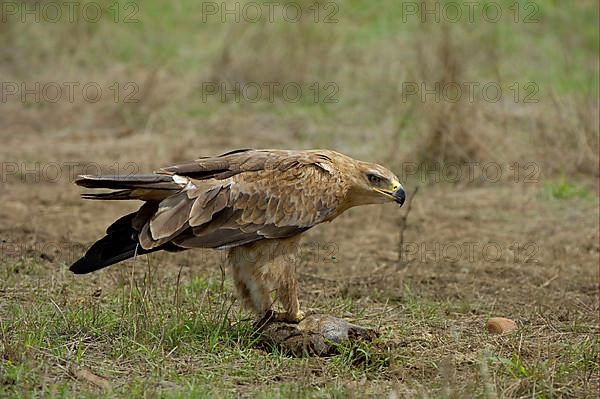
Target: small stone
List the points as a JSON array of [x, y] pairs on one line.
[[501, 325]]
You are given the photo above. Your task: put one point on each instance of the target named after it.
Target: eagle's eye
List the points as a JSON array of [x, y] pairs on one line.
[[374, 179]]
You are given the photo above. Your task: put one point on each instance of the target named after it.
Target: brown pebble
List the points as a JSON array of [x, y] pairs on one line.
[[501, 325]]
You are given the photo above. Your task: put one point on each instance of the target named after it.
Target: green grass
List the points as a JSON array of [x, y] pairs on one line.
[[152, 338], [189, 340], [582, 358], [563, 190]]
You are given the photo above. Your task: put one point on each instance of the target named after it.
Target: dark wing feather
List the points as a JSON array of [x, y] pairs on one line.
[[239, 161]]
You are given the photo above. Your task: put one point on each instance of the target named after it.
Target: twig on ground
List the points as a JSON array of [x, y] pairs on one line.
[[403, 224]]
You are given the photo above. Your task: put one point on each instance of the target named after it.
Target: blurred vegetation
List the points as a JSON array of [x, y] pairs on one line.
[[543, 55]]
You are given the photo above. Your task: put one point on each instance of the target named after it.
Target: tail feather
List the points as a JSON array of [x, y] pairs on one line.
[[150, 187], [149, 181], [114, 195], [120, 243], [121, 239]]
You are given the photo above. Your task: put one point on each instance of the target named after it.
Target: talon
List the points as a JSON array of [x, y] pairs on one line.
[[287, 317], [300, 316], [271, 316], [267, 318]]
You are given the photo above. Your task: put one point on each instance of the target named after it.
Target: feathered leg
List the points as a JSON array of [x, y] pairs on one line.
[[287, 293], [262, 267], [253, 291]]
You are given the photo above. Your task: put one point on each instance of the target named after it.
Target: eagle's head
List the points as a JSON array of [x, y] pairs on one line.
[[374, 184]]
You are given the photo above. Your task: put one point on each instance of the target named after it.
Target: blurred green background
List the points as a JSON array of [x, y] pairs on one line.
[[352, 61]]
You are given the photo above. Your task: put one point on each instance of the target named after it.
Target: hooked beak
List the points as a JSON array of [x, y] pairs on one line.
[[399, 195], [396, 193]]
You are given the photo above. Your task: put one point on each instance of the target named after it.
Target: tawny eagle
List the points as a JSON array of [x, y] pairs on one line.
[[254, 203]]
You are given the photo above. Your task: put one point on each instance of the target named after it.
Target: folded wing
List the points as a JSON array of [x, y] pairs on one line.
[[219, 202], [245, 196]]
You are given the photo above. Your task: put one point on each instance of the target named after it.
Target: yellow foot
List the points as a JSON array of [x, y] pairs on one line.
[[297, 318], [272, 316]]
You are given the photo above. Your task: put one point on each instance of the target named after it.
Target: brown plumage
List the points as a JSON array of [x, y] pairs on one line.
[[255, 203]]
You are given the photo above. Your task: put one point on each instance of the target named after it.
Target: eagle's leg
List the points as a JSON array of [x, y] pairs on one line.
[[251, 289], [287, 293], [282, 271], [262, 267]]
